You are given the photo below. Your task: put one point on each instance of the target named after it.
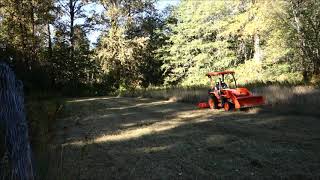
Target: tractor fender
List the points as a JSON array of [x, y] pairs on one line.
[[233, 99]]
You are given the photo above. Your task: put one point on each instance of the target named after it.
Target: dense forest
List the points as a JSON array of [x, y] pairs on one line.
[[47, 44]]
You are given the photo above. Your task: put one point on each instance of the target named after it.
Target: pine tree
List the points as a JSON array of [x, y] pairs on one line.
[[120, 51]]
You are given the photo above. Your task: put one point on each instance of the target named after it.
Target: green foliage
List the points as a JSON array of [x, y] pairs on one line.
[[127, 50], [194, 47], [80, 67], [261, 40], [120, 57], [41, 115], [46, 42], [22, 35], [252, 72]]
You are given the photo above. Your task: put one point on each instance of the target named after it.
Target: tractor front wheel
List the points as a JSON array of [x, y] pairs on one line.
[[228, 106], [213, 102]]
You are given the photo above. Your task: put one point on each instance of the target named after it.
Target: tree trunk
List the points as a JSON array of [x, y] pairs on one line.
[[52, 74], [302, 41], [34, 44], [49, 41], [257, 49], [72, 13], [316, 67], [73, 68]]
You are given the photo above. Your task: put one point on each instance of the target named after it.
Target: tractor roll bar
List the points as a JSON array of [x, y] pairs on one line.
[[223, 73], [219, 73]]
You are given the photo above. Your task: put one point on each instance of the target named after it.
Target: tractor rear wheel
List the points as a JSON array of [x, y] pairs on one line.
[[228, 106], [213, 102]]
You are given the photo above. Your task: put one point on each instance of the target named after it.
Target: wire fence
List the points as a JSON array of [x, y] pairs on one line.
[[15, 157]]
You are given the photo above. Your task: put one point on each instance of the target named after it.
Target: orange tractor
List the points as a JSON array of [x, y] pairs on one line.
[[221, 96]]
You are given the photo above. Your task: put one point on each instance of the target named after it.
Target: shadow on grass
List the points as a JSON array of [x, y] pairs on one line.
[[128, 138]]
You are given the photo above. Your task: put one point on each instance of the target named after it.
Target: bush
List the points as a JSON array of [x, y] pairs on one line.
[[41, 114]]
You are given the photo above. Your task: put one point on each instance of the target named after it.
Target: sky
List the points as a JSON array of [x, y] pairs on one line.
[[92, 36], [162, 4]]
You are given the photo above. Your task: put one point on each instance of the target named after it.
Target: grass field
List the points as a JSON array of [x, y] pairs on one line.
[[281, 97], [137, 138]]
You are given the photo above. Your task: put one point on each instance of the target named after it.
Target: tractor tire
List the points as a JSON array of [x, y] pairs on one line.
[[228, 106], [213, 102]]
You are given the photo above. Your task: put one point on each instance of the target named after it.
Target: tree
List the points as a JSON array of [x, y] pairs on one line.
[[24, 34], [121, 50], [23, 25], [305, 22], [195, 47], [71, 11], [272, 40]]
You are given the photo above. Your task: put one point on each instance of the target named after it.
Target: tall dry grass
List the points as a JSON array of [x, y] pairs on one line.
[[280, 97], [179, 94], [292, 100]]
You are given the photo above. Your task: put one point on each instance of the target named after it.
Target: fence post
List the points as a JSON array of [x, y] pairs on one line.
[[13, 116]]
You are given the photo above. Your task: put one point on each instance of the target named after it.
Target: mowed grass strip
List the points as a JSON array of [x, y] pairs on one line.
[[132, 138]]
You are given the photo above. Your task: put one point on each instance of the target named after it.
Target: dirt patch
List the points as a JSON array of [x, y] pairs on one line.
[[135, 138]]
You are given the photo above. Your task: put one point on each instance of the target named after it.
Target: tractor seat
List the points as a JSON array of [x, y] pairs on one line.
[[224, 85]]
